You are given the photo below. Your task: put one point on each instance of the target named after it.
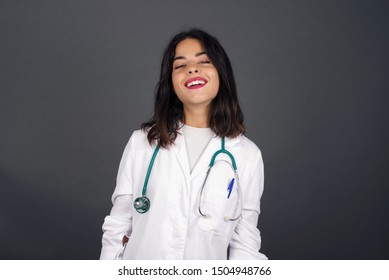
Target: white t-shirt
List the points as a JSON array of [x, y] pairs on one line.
[[196, 140]]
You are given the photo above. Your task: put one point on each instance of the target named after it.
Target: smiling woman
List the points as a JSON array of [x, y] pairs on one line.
[[185, 211], [195, 81]]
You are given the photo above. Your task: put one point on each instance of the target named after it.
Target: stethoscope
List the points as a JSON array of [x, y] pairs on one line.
[[142, 203]]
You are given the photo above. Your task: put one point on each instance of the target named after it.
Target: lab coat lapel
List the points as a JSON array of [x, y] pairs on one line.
[[213, 146], [179, 149], [205, 158]]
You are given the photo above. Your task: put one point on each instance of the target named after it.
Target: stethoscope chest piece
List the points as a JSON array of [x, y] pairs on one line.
[[142, 204]]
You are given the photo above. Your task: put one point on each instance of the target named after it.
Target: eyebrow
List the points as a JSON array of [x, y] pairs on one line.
[[196, 55]]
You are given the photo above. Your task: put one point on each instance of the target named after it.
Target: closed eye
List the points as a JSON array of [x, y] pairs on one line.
[[205, 62], [179, 66]]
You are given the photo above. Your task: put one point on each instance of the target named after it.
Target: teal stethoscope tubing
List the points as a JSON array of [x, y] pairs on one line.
[[149, 170], [142, 204], [224, 151]]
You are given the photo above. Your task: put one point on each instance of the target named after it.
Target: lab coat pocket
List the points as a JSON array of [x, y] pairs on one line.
[[219, 201]]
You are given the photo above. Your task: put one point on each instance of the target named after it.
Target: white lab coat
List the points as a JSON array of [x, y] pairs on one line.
[[173, 227]]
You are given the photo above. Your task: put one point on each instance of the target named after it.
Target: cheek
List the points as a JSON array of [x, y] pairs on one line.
[[216, 82], [175, 81]]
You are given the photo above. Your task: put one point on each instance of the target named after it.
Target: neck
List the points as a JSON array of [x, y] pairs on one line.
[[197, 117]]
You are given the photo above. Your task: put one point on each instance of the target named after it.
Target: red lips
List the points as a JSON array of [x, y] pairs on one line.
[[196, 82]]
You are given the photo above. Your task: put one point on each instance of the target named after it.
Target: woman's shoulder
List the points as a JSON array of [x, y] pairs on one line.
[[245, 142], [138, 140], [248, 147], [139, 134]]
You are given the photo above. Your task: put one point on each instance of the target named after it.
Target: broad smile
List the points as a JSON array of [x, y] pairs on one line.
[[195, 83]]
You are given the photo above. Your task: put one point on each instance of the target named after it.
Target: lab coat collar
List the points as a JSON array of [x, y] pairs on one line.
[[214, 145], [179, 149]]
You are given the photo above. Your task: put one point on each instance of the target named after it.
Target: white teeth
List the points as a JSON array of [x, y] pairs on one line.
[[196, 82]]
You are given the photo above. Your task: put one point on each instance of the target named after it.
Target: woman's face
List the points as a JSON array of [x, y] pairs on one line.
[[195, 78]]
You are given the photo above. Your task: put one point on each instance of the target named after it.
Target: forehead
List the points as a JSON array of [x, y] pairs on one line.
[[189, 47]]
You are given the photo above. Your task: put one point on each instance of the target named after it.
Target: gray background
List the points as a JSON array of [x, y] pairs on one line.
[[77, 77]]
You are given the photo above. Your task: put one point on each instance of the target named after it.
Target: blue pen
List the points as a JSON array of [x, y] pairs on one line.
[[230, 186]]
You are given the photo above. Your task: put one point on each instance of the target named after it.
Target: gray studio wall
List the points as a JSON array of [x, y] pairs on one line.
[[77, 77]]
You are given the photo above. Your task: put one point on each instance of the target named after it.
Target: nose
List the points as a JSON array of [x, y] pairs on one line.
[[193, 69]]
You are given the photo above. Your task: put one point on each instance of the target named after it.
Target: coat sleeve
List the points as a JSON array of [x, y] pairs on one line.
[[246, 238], [119, 222]]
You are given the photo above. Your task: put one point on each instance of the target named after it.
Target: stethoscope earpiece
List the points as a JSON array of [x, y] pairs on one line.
[[142, 204]]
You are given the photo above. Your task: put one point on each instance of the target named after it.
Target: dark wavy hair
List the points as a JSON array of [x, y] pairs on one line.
[[226, 117]]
